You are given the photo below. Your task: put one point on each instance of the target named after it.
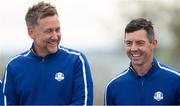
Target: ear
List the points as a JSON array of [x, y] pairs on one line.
[[31, 32], [154, 43]]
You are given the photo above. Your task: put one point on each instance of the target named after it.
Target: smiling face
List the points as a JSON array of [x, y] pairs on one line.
[[46, 35], [138, 47]]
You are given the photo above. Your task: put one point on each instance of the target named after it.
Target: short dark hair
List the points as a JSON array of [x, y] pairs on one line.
[[141, 23], [39, 11]]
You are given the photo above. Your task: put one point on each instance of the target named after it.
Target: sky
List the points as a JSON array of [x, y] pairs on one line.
[[85, 24], [82, 23]]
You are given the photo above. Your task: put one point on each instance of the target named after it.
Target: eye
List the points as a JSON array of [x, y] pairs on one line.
[[48, 31], [128, 43], [140, 43], [57, 30]]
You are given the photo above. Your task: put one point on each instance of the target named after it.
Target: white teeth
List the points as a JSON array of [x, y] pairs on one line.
[[52, 43], [135, 55]]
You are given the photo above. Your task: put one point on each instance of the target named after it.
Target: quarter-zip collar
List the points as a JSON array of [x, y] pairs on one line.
[[149, 72], [35, 56]]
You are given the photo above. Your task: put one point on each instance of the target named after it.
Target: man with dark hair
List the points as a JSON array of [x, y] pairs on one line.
[[145, 81], [47, 74]]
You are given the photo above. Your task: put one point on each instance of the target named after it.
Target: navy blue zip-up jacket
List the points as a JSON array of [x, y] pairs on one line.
[[62, 78], [1, 94], [160, 86]]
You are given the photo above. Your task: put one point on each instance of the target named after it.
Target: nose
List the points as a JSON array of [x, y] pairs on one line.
[[56, 35], [134, 47]]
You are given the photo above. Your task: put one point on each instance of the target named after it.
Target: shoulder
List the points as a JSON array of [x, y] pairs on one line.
[[19, 57], [169, 70], [118, 78], [71, 52]]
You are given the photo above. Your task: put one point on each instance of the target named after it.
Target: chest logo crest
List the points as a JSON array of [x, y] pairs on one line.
[[158, 95], [59, 76]]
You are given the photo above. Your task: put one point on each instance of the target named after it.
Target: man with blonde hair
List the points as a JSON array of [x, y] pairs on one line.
[[47, 74]]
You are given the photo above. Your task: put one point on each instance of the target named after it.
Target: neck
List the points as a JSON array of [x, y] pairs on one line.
[[141, 70], [36, 53]]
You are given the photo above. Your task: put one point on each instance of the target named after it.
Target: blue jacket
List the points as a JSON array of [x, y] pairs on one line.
[[1, 93], [160, 86], [62, 78]]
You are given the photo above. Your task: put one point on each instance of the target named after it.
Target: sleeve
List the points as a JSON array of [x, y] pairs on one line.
[[178, 93], [82, 83], [10, 97], [108, 96], [1, 94]]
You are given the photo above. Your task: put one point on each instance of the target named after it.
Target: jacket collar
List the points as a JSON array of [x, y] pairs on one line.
[[34, 54], [153, 69]]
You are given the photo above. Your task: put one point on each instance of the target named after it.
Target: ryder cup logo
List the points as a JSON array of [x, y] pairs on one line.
[[59, 76], [158, 95]]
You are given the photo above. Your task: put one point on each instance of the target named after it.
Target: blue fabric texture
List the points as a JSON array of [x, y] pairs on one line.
[[62, 78], [160, 86]]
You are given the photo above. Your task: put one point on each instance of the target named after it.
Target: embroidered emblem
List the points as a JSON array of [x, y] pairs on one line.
[[59, 76], [158, 95]]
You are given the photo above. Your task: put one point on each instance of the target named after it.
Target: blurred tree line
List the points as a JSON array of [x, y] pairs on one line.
[[164, 15]]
